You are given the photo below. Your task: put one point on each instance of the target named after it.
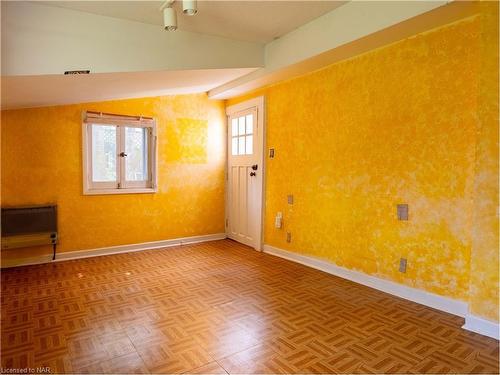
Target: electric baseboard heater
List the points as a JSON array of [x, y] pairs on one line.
[[29, 226]]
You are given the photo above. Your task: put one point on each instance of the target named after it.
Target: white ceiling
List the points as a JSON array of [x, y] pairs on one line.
[[255, 21], [31, 91]]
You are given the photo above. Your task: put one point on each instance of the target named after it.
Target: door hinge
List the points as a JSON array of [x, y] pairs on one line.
[[227, 221]]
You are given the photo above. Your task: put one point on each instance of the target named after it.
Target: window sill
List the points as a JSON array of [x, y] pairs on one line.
[[120, 191]]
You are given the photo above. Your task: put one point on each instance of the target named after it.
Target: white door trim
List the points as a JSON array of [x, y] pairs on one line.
[[259, 104]]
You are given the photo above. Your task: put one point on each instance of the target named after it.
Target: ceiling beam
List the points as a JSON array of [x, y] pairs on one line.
[[352, 29]]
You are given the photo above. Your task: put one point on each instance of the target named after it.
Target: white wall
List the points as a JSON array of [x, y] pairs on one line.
[[39, 39]]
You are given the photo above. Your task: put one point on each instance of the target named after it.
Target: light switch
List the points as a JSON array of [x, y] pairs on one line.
[[402, 211], [402, 265], [290, 199], [271, 153], [278, 220]]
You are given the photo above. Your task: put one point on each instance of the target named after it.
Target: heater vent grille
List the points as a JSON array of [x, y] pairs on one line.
[[29, 220], [72, 72], [29, 226]]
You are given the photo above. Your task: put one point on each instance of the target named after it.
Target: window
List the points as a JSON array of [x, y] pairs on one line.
[[119, 154], [242, 135]]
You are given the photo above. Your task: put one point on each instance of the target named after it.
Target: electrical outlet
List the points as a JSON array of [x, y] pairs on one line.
[[290, 199], [288, 237], [278, 220], [402, 265], [402, 211]]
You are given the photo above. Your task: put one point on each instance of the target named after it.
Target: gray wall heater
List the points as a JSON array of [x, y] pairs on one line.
[[29, 226]]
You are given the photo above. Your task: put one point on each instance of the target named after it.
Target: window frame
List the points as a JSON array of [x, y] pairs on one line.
[[237, 116], [121, 185]]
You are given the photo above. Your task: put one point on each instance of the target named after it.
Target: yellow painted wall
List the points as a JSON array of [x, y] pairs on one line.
[[42, 162], [395, 125], [484, 260]]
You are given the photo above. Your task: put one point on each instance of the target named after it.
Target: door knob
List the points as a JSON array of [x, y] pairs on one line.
[[254, 167], [252, 174], [122, 154]]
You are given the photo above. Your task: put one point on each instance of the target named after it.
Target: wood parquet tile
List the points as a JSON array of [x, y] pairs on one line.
[[221, 308]]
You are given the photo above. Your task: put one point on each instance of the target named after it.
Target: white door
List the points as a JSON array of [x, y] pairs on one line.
[[245, 172]]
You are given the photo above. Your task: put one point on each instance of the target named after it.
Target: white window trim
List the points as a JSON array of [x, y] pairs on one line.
[[99, 188]]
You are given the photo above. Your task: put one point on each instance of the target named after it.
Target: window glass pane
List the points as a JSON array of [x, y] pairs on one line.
[[234, 147], [249, 124], [136, 148], [234, 127], [249, 145], [241, 145], [103, 153], [241, 124]]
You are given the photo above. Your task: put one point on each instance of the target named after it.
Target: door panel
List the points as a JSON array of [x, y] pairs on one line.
[[243, 203]]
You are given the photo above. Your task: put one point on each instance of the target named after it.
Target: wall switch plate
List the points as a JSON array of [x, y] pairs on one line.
[[271, 153], [288, 237], [402, 211], [290, 199], [402, 265], [278, 220]]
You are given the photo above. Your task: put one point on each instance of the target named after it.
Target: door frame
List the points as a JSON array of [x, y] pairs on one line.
[[259, 103]]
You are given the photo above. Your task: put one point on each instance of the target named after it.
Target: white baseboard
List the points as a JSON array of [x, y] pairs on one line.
[[482, 326], [67, 255], [416, 295]]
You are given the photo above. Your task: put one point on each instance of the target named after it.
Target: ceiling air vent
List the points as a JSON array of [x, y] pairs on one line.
[[77, 72]]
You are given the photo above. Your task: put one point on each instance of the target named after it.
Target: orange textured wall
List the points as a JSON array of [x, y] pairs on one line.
[[42, 162], [484, 284], [395, 125]]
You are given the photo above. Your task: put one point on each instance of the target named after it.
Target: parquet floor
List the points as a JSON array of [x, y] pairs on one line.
[[219, 308]]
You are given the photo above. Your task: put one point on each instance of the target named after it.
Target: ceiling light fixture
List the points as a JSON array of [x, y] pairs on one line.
[[169, 16], [189, 7]]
